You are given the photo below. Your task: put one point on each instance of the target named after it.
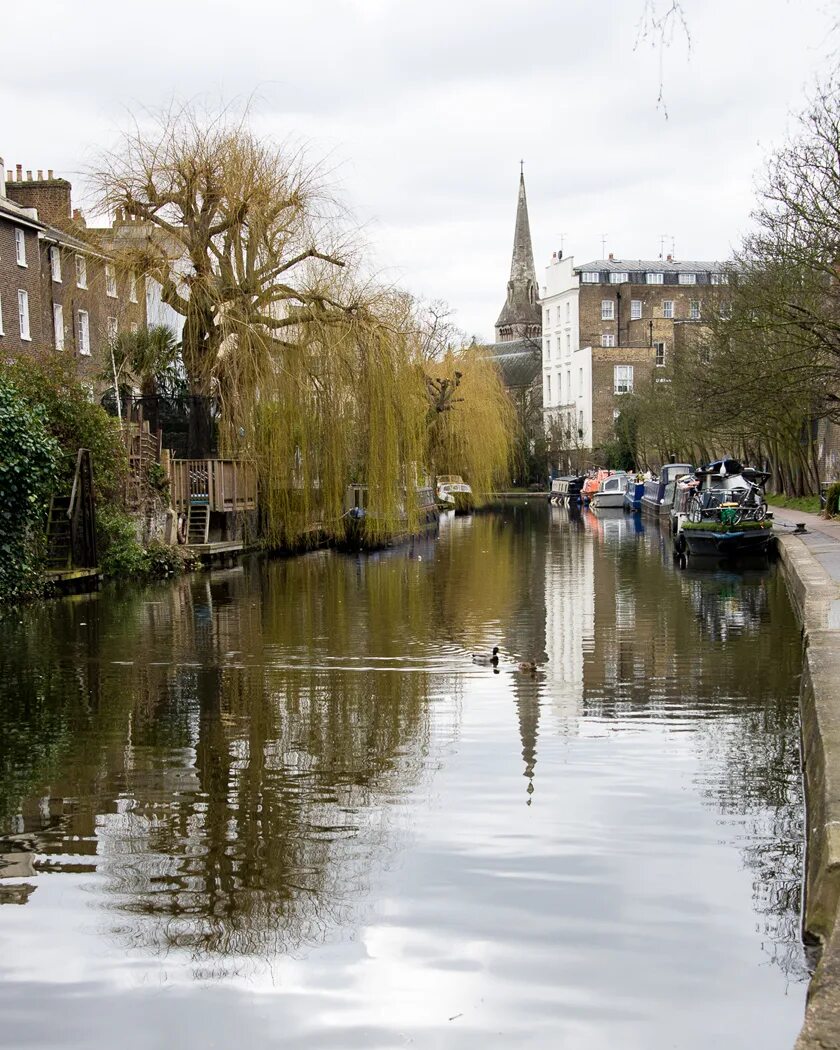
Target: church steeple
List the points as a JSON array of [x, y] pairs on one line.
[[521, 317]]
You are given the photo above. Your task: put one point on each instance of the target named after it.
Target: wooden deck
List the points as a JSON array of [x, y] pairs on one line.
[[70, 580]]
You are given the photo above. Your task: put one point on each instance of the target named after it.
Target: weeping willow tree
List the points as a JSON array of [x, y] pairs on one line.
[[309, 367], [472, 423]]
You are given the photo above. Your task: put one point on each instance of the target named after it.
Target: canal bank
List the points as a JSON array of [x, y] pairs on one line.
[[811, 564]]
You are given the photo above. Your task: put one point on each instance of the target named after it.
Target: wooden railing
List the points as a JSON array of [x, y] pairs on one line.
[[223, 484]]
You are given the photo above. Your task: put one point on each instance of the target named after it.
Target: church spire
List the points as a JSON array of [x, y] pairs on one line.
[[521, 317]]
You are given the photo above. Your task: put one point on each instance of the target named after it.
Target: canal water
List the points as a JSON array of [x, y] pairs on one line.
[[280, 806]]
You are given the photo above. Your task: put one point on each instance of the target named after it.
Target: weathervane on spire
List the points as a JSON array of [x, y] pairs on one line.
[[522, 167]]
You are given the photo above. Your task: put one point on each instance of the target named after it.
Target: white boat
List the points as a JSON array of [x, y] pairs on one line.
[[610, 492], [450, 484]]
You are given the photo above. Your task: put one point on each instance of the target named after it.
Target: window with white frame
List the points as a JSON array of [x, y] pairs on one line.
[[580, 382], [590, 277], [568, 342], [81, 271], [20, 247], [547, 316], [660, 354], [694, 310], [23, 314], [668, 308], [58, 325], [113, 329], [607, 310], [619, 277], [547, 349], [607, 339], [568, 312], [688, 278], [720, 278], [623, 379], [656, 278], [580, 423], [84, 333], [548, 390], [110, 281], [135, 327], [132, 287], [55, 263], [569, 384], [635, 309], [1, 317]]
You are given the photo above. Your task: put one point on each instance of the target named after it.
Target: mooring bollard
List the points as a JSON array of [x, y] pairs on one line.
[[800, 528]]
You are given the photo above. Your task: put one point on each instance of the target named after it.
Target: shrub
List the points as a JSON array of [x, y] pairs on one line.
[[832, 499], [28, 465], [120, 554]]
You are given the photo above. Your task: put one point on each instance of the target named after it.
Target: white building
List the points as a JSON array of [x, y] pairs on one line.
[[567, 366]]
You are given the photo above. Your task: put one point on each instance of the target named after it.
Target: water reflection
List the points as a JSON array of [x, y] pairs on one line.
[[296, 762]]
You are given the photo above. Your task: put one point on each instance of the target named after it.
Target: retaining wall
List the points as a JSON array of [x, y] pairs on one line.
[[816, 598]]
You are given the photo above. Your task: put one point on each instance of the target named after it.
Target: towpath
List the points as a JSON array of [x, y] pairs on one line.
[[822, 538]]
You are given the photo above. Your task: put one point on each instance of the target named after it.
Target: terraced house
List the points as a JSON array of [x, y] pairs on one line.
[[60, 291]]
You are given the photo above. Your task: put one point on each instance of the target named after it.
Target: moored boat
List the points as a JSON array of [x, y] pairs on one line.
[[567, 489], [610, 493], [659, 492], [454, 494], [633, 495], [727, 541], [361, 528]]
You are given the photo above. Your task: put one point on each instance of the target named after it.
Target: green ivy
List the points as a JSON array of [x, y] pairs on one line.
[[29, 458]]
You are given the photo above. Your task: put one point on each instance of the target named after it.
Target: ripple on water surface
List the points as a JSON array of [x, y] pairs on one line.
[[280, 806]]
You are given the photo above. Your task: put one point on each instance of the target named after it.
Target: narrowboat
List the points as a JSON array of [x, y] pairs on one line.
[[454, 494], [659, 492], [726, 541], [633, 495], [567, 489], [360, 531]]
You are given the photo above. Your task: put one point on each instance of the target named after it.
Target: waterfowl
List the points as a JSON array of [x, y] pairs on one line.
[[487, 661], [529, 667]]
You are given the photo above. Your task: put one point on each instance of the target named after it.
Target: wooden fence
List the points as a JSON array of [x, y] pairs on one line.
[[223, 484]]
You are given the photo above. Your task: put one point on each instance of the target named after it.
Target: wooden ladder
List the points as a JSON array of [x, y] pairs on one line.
[[59, 540], [198, 523]]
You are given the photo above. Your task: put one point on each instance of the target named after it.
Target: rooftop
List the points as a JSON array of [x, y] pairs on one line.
[[666, 265]]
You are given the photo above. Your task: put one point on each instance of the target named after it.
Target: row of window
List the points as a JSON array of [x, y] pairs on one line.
[[82, 324], [81, 269], [568, 346], [568, 314], [623, 277], [560, 388], [636, 306]]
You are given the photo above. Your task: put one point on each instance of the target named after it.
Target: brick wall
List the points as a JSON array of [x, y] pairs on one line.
[[604, 399], [14, 278], [93, 299], [623, 327], [50, 196]]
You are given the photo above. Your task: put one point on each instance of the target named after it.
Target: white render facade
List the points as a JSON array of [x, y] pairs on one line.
[[567, 366]]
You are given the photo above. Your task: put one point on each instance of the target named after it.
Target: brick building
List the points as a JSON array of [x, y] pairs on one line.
[[609, 326], [59, 290]]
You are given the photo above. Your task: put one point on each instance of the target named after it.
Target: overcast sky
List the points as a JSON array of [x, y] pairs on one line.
[[424, 109]]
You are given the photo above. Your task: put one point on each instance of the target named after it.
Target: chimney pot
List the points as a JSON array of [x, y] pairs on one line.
[[10, 175], [29, 175], [19, 170], [40, 175], [670, 258], [611, 256], [50, 175]]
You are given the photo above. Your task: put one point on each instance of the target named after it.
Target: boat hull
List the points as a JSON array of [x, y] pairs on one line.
[[727, 544], [601, 500]]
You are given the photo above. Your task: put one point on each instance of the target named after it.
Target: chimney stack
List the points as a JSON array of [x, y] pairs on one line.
[[40, 175], [670, 258], [19, 172], [29, 175], [50, 174], [611, 256]]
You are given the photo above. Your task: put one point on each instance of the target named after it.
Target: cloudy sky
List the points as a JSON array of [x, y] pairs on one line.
[[422, 111]]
